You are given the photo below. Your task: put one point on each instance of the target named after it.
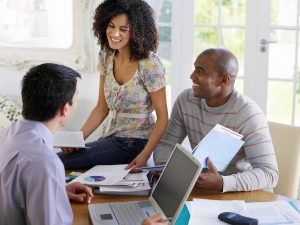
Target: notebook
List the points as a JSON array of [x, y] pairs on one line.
[[168, 196]]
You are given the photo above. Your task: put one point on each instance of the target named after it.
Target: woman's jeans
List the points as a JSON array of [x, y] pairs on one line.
[[107, 151]]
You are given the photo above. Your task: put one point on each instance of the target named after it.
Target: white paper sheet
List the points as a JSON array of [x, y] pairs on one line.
[[206, 211], [68, 139], [220, 145], [277, 212], [268, 213], [110, 174]]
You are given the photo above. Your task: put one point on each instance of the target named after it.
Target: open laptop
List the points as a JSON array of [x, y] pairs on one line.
[[168, 196]]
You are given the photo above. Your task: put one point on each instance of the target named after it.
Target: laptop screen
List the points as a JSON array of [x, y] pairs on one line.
[[175, 181]]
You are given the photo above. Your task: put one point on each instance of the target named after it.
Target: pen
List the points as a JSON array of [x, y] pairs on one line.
[[206, 166], [151, 168]]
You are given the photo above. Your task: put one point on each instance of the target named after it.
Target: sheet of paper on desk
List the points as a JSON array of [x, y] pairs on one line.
[[221, 145], [268, 213], [277, 212], [103, 175], [206, 211], [68, 139]]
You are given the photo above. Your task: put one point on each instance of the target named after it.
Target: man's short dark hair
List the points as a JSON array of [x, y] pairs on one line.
[[45, 89], [226, 60]]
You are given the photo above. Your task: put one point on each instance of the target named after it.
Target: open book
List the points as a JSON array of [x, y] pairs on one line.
[[220, 145]]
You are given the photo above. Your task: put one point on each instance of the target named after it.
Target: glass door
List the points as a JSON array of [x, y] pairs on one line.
[[272, 58]]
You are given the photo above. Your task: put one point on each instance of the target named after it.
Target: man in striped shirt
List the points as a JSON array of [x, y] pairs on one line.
[[213, 100]]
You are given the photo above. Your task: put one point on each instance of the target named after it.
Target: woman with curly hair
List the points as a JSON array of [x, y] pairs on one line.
[[132, 86]]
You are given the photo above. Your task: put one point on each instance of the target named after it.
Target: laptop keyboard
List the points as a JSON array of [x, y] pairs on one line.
[[129, 213]]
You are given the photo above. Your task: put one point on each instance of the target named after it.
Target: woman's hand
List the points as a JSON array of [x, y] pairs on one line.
[[69, 150], [139, 161]]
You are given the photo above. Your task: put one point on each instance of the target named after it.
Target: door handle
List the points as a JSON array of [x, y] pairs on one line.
[[265, 41]]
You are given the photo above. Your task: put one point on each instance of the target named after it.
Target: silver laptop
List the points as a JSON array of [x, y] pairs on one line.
[[170, 193]]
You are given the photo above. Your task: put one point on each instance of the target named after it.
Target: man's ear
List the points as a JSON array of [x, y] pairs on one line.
[[226, 79], [63, 110]]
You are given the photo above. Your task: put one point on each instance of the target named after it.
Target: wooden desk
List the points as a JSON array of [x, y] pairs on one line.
[[81, 215]]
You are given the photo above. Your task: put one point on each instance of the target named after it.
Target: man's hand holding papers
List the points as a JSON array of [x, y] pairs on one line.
[[211, 180], [215, 151]]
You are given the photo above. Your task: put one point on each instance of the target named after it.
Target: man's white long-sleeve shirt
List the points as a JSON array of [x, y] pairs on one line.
[[32, 178]]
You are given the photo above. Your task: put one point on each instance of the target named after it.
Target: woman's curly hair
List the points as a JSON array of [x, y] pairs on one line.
[[143, 30]]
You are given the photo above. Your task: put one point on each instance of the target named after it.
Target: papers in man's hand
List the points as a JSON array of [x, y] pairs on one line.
[[220, 145], [68, 139], [103, 175], [277, 212]]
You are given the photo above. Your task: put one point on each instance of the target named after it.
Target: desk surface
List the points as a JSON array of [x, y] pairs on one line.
[[81, 216]]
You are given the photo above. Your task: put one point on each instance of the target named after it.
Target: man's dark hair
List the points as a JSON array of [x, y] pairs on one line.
[[143, 31], [226, 60], [45, 89]]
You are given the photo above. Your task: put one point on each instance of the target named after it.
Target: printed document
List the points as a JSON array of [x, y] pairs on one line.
[[103, 175], [220, 145], [268, 213], [68, 139]]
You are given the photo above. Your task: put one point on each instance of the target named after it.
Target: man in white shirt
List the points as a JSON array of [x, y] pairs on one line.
[[32, 177]]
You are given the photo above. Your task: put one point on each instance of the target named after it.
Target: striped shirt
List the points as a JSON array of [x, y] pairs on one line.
[[254, 167]]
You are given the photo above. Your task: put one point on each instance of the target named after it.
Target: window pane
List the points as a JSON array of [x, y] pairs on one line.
[[164, 49], [233, 12], [282, 54], [166, 12], [238, 45], [279, 101], [284, 12], [204, 38], [206, 12], [36, 23], [239, 85]]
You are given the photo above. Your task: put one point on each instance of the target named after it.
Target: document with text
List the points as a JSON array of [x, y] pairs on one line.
[[221, 144], [68, 139], [206, 212]]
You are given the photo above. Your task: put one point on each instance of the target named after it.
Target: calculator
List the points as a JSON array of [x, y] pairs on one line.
[[237, 219]]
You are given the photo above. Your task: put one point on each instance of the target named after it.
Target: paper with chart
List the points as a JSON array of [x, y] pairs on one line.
[[68, 139], [103, 175], [220, 145]]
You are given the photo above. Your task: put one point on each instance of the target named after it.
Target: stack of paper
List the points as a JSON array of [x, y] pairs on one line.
[[277, 212], [132, 184], [114, 179]]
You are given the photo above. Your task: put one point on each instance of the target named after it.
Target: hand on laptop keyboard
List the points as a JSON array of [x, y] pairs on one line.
[[158, 219]]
